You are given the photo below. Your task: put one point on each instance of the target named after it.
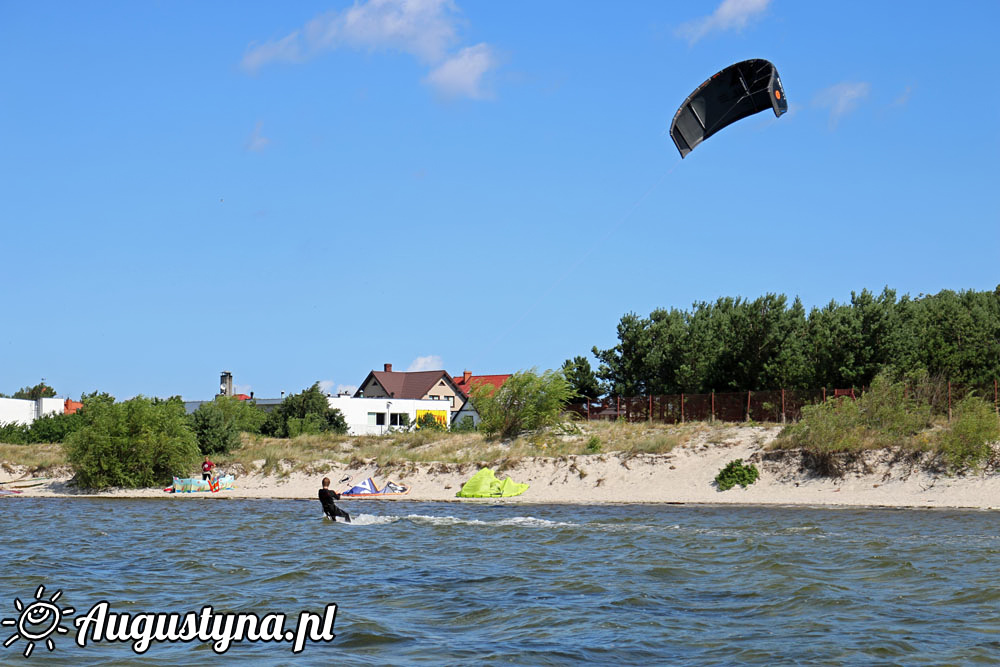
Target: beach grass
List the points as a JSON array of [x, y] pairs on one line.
[[35, 457], [316, 454]]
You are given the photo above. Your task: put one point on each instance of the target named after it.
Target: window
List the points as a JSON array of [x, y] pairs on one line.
[[376, 419], [435, 397], [451, 401], [399, 419]]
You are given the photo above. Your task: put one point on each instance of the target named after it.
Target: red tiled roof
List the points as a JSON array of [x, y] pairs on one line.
[[476, 380]]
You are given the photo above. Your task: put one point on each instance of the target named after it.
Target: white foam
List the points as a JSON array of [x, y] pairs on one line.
[[447, 520]]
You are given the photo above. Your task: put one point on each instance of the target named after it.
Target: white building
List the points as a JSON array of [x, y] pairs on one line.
[[375, 416], [24, 411]]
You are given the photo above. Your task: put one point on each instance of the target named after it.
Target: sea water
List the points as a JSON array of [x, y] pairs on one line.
[[505, 583]]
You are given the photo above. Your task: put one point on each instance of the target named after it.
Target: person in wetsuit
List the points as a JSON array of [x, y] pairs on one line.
[[326, 498]]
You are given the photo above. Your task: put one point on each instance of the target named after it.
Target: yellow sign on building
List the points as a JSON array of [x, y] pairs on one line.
[[440, 416]]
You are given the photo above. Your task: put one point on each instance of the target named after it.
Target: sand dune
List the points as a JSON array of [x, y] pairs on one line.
[[685, 475]]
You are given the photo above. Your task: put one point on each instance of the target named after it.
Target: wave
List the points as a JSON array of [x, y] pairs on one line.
[[448, 520]]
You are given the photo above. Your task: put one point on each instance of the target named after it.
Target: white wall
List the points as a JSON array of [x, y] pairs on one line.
[[24, 411], [355, 411], [51, 406]]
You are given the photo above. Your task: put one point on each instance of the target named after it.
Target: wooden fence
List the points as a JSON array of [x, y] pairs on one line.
[[775, 405]]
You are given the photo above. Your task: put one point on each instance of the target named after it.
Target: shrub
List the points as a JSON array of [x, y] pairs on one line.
[[966, 443], [881, 417], [525, 402], [53, 427], [14, 433], [467, 425], [593, 445], [138, 443], [736, 472], [216, 433]]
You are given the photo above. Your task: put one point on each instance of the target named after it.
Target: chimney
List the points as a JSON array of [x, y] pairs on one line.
[[226, 384], [465, 377], [388, 368]]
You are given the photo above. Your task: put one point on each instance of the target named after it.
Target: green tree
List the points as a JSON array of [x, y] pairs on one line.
[[525, 402], [40, 390], [218, 423], [305, 412], [581, 379], [738, 344], [137, 443], [217, 432]]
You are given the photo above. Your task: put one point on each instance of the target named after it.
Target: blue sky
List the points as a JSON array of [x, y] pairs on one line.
[[302, 192]]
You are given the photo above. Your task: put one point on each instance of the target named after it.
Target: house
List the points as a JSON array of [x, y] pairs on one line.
[[466, 383], [25, 410], [375, 416], [413, 385]]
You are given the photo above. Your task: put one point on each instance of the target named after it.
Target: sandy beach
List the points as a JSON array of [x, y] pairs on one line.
[[684, 475]]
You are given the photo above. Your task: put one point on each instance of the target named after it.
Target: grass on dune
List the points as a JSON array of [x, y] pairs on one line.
[[36, 457], [317, 454]]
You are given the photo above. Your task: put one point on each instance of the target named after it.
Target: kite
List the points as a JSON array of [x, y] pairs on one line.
[[736, 92]]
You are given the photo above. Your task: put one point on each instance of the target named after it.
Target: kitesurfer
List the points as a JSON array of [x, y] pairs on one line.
[[326, 498]]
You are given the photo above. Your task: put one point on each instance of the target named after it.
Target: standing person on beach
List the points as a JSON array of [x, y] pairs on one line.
[[326, 498], [206, 469]]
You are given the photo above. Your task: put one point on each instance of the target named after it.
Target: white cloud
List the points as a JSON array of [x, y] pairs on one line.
[[842, 98], [286, 50], [258, 141], [424, 29], [429, 363], [903, 98], [730, 15], [462, 74], [347, 388], [326, 386]]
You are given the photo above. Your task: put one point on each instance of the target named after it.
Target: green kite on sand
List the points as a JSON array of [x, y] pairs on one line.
[[484, 484]]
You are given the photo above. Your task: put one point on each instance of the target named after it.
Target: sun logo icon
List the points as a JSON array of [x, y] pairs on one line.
[[38, 620]]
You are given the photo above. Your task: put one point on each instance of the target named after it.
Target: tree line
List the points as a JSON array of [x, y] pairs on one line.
[[737, 344]]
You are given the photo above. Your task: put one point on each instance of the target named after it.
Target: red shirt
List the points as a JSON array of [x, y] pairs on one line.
[[207, 466]]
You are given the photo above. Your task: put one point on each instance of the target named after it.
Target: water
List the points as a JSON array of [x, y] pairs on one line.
[[446, 583]]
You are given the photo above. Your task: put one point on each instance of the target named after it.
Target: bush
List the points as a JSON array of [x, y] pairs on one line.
[[138, 443], [593, 445], [53, 427], [467, 425], [47, 428], [966, 444], [215, 433], [218, 424], [883, 416], [525, 402], [736, 472], [14, 433]]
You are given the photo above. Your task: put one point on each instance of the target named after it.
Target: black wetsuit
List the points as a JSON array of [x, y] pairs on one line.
[[326, 497]]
